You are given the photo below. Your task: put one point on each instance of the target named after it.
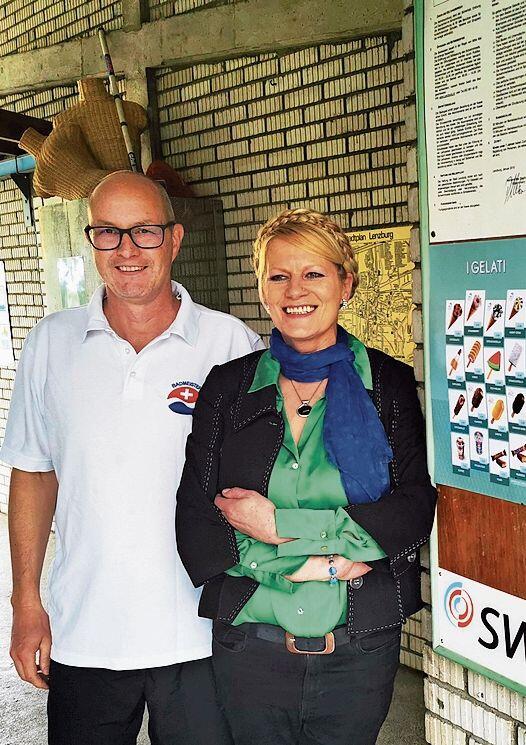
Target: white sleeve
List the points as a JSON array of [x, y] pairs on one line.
[[26, 442], [258, 343]]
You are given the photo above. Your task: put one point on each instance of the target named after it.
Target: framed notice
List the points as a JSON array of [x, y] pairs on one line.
[[6, 341], [471, 98], [475, 111]]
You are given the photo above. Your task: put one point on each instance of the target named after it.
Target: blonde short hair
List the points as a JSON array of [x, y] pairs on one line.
[[311, 231]]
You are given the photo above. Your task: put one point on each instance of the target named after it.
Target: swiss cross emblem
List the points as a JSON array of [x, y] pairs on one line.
[[183, 396]]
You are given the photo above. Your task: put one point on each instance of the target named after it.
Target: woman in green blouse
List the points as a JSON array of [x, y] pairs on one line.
[[301, 557]]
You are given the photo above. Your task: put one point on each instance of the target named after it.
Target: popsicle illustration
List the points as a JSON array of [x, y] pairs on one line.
[[518, 403], [476, 399], [496, 313], [454, 361], [520, 453], [514, 356], [493, 363], [475, 305], [517, 305], [498, 458], [496, 412], [455, 314], [473, 352], [459, 404]]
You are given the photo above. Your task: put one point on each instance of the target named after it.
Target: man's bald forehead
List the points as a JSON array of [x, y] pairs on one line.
[[122, 179]]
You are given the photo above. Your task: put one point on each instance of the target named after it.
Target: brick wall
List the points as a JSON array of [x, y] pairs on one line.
[[320, 127], [167, 8], [30, 24], [19, 250]]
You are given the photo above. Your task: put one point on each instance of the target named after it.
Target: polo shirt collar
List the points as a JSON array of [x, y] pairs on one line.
[[268, 368], [185, 324]]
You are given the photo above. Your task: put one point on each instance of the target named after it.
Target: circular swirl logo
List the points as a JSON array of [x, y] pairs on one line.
[[458, 605]]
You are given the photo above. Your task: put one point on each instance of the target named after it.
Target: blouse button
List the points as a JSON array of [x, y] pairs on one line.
[[253, 564], [301, 611], [295, 466]]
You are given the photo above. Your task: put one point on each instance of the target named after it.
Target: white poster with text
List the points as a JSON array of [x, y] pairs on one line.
[[475, 112]]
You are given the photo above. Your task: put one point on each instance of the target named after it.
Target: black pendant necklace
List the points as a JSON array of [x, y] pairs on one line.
[[304, 409]]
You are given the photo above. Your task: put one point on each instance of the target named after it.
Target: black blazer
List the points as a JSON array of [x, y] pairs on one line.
[[235, 440]]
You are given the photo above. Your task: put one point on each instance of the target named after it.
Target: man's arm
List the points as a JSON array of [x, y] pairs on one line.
[[32, 499]]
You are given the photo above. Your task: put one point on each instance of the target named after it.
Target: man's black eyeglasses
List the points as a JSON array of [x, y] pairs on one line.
[[108, 237]]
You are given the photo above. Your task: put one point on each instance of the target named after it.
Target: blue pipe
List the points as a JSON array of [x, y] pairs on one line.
[[21, 164]]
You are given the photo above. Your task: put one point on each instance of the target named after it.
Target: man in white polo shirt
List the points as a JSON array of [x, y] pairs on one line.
[[99, 417]]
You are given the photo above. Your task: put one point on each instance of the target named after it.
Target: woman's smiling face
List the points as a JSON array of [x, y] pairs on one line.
[[302, 292]]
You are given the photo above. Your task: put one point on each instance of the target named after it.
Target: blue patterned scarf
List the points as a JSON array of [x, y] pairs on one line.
[[353, 434]]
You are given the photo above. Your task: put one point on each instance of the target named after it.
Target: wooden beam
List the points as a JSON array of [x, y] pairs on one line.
[[153, 115], [7, 147], [13, 124]]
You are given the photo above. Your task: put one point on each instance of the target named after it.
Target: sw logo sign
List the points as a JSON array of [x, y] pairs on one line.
[[481, 624]]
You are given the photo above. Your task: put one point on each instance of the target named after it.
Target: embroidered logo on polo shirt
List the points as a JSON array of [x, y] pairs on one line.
[[183, 396]]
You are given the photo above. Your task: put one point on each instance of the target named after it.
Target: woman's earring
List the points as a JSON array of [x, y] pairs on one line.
[[344, 303]]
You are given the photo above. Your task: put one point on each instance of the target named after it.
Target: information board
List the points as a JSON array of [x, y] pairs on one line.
[[477, 363], [475, 113], [471, 98]]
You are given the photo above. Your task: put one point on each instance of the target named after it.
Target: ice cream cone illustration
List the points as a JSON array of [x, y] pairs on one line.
[[514, 356], [476, 399], [518, 403], [454, 361], [496, 313], [496, 412], [475, 305], [494, 363], [455, 314], [517, 306], [473, 352]]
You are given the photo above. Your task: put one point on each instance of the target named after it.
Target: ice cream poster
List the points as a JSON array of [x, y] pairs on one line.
[[477, 328]]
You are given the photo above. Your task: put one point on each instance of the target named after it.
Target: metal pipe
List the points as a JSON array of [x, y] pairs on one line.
[[21, 164], [114, 90]]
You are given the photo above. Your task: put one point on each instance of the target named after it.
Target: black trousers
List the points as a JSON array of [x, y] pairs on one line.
[[273, 697], [93, 706]]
